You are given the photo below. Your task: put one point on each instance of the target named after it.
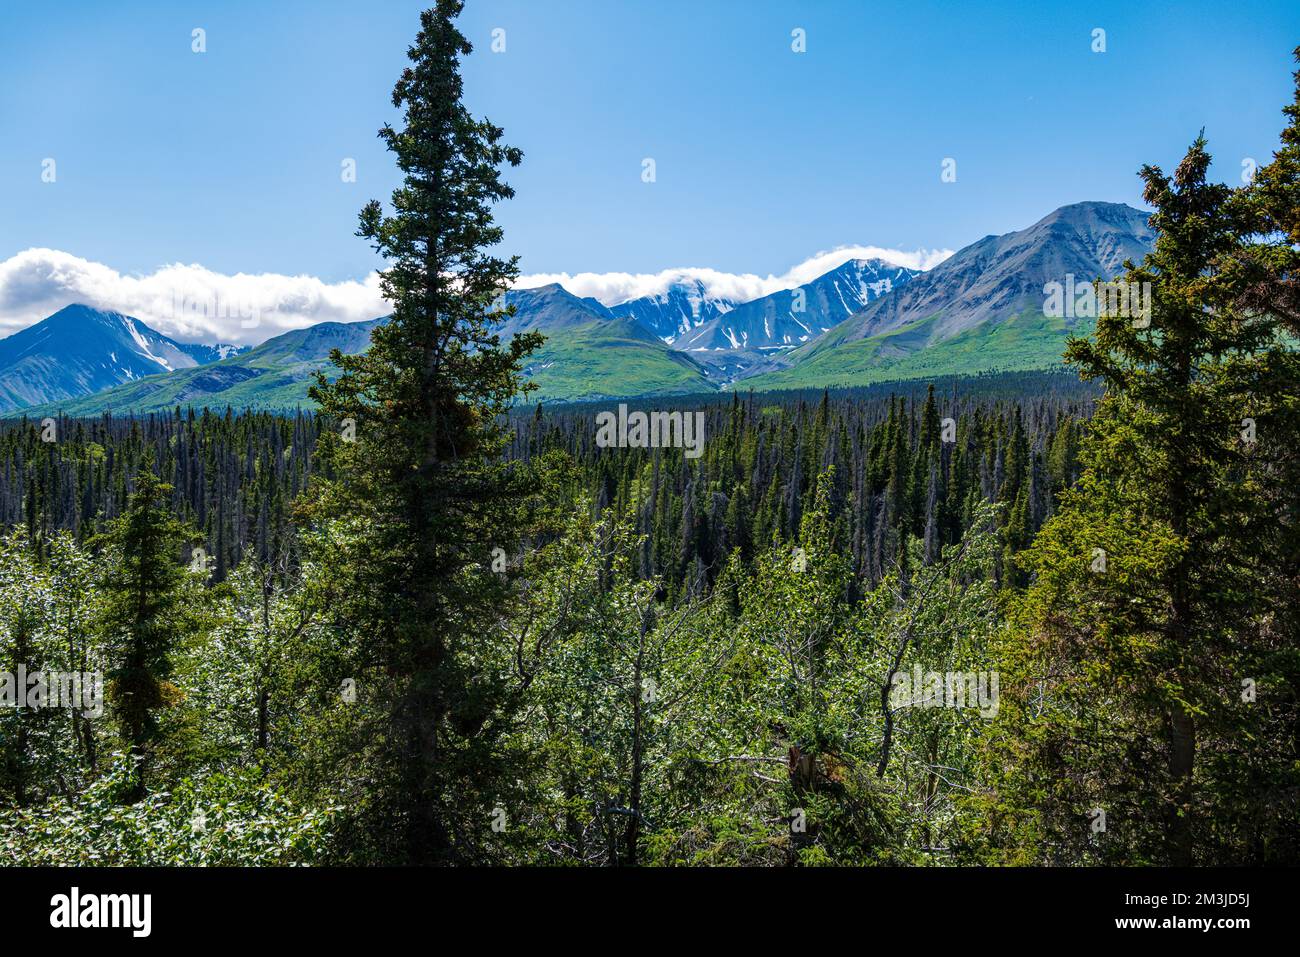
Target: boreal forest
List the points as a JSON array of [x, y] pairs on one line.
[[1043, 617]]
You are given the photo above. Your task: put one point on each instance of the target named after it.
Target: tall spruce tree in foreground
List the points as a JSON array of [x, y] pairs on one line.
[[420, 497], [1126, 735], [1265, 272], [144, 618]]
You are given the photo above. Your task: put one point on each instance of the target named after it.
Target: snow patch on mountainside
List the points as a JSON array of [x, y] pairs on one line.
[[133, 329]]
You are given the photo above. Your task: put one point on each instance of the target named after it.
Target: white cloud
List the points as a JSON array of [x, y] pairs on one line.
[[612, 288], [189, 303], [194, 304]]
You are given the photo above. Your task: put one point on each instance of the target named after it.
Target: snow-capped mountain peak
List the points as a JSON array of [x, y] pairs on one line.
[[791, 317], [80, 350], [681, 307]]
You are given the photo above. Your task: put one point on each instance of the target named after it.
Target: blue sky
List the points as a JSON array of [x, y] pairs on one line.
[[230, 159]]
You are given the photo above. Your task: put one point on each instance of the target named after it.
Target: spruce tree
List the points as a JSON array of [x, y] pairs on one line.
[[421, 495], [1145, 618], [145, 616], [1265, 273]]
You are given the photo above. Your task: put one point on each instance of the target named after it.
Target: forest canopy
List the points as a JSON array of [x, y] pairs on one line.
[[1027, 618]]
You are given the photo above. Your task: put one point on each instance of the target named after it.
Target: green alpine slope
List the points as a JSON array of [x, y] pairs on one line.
[[1023, 342], [611, 359], [274, 376], [602, 358]]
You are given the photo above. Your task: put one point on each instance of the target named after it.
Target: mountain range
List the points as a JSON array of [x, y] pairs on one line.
[[979, 310], [79, 351], [683, 306], [273, 375], [791, 317], [864, 321]]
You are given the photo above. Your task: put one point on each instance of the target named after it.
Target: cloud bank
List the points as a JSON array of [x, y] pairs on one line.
[[188, 303], [194, 304]]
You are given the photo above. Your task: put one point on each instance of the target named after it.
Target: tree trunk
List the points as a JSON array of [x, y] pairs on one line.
[[1182, 754], [638, 747]]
